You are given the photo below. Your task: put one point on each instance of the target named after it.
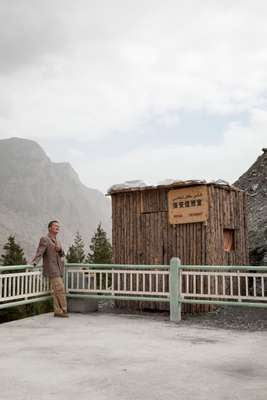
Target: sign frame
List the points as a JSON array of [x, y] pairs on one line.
[[187, 205]]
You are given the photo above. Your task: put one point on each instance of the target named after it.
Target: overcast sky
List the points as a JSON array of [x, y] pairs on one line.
[[137, 89]]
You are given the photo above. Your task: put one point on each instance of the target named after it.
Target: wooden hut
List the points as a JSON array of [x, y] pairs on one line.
[[201, 223]]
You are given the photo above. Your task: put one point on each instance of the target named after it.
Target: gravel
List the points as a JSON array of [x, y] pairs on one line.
[[239, 318], [235, 318]]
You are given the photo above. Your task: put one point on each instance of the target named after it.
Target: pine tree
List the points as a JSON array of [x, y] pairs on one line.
[[100, 248], [76, 252], [14, 254]]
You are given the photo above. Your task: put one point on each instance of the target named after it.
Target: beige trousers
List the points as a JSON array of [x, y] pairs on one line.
[[59, 296]]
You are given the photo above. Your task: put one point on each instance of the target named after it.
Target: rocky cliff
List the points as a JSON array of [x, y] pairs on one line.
[[34, 190], [254, 182]]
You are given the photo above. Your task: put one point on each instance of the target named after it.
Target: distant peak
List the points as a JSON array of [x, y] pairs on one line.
[[19, 141], [22, 148]]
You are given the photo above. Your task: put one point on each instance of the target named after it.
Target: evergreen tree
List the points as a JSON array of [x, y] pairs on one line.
[[14, 254], [100, 248], [76, 252]]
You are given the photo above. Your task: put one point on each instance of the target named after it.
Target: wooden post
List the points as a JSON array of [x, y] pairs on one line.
[[175, 278]]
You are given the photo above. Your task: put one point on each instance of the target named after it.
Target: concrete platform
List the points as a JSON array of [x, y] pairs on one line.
[[107, 357]]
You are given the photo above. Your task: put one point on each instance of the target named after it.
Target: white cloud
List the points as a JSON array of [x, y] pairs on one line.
[[228, 160], [92, 69]]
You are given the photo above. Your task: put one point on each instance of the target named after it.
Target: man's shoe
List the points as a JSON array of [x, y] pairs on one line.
[[61, 315]]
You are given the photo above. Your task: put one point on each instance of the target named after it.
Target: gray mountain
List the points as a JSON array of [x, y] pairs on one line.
[[254, 182], [34, 190]]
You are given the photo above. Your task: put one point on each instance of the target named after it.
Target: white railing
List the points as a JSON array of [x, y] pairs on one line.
[[132, 282], [176, 284], [224, 285], [215, 283], [19, 286]]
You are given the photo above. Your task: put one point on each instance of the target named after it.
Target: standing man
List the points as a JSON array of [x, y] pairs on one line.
[[53, 267]]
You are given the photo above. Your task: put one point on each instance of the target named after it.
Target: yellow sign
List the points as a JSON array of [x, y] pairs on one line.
[[188, 205]]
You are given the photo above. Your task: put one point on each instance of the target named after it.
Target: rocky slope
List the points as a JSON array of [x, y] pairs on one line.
[[254, 182], [34, 190]]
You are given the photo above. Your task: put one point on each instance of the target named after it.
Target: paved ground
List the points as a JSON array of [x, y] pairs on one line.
[[107, 357]]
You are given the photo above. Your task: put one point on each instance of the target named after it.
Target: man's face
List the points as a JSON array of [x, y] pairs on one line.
[[54, 229]]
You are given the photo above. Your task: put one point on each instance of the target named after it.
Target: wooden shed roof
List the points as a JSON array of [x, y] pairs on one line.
[[176, 184]]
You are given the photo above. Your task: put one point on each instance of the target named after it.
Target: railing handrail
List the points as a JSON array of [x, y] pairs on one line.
[[15, 267], [223, 267], [143, 266], [116, 266], [181, 267]]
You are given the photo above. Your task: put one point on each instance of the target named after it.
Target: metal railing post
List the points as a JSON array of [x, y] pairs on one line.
[[175, 284]]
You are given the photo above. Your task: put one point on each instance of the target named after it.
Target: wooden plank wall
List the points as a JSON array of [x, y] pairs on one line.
[[227, 211], [141, 233]]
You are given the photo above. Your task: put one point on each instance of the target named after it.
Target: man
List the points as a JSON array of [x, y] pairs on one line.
[[53, 267]]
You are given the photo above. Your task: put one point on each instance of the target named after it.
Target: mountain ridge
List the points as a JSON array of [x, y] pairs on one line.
[[254, 182], [34, 190]]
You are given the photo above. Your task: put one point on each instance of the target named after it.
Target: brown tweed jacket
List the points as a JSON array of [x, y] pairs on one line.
[[53, 265]]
